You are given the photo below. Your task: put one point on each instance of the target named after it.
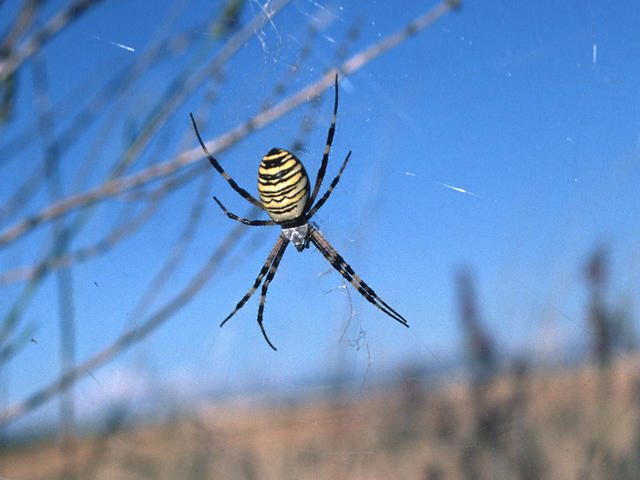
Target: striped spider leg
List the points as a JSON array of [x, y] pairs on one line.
[[269, 268], [350, 276], [285, 194], [246, 195]]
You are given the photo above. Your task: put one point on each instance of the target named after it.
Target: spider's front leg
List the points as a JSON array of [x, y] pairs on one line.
[[246, 221]]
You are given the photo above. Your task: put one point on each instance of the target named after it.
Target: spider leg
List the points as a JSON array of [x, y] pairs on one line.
[[244, 220], [347, 272], [265, 286], [225, 175], [265, 268], [327, 148], [324, 198]]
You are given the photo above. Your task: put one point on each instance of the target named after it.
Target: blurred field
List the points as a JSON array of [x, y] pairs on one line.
[[583, 423]]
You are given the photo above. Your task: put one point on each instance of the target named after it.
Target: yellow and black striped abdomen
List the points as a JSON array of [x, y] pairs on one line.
[[283, 185]]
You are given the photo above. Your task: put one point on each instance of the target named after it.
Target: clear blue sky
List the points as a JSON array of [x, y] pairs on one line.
[[531, 107]]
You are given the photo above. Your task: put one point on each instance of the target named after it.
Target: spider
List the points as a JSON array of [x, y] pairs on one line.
[[283, 187]]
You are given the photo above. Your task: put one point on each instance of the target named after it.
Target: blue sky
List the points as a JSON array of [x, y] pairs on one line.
[[533, 108]]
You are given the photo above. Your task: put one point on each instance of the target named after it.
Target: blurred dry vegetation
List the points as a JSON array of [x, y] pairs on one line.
[[497, 419], [583, 423]]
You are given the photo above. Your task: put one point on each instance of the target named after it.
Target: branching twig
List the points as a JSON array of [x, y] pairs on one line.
[[163, 171], [71, 230], [118, 233], [51, 28], [132, 336], [120, 185]]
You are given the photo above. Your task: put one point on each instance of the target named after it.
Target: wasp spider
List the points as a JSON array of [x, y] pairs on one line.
[[283, 186]]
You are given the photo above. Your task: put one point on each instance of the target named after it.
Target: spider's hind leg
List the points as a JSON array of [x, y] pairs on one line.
[[337, 262], [276, 251], [265, 286]]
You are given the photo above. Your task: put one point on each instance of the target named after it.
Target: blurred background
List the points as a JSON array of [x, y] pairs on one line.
[[489, 199]]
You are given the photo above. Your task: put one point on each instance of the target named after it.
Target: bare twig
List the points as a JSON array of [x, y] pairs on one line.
[[177, 252], [51, 28], [63, 278], [119, 233], [120, 185], [23, 21], [132, 336], [228, 50]]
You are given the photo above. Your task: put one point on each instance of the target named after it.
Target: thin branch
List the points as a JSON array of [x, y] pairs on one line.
[[228, 50], [131, 337], [64, 281], [177, 252], [54, 26], [119, 80], [420, 23], [22, 194], [179, 249], [117, 234], [11, 348], [21, 23], [182, 88], [120, 185]]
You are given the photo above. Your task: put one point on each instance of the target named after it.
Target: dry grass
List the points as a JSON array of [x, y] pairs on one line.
[[566, 424]]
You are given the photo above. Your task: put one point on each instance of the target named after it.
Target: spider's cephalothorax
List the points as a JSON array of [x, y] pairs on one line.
[[283, 186]]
